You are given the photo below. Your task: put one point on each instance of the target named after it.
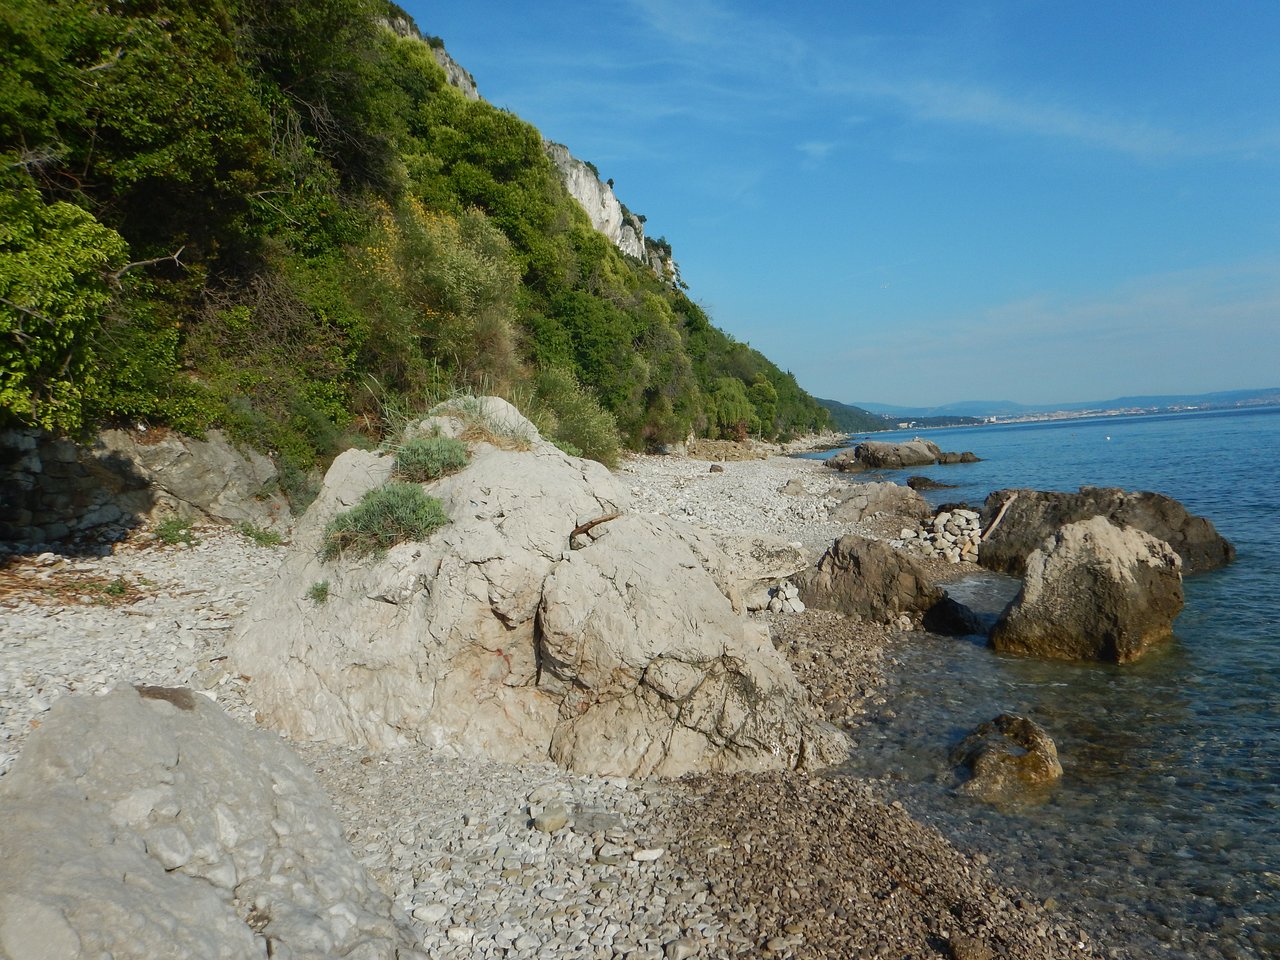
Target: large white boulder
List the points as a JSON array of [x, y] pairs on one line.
[[618, 654]]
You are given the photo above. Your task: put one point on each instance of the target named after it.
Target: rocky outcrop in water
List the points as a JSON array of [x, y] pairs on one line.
[[146, 823], [1029, 516], [928, 483], [879, 455], [870, 579], [1093, 591], [504, 635], [1010, 759]]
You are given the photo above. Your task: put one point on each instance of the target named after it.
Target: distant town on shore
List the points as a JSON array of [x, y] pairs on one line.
[[870, 417]]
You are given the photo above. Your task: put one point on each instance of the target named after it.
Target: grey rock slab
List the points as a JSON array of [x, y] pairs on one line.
[[124, 873]]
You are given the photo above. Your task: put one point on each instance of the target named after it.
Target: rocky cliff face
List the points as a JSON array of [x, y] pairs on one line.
[[607, 214], [457, 75], [454, 72], [623, 228]]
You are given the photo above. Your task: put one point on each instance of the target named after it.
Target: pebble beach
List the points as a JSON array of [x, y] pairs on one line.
[[498, 860]]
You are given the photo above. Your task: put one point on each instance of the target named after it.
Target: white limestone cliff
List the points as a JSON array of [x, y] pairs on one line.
[[457, 75], [607, 215], [624, 229]]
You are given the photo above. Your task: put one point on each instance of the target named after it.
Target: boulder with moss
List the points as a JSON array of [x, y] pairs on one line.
[[542, 621]]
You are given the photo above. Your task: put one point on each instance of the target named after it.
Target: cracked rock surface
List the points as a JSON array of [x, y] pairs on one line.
[[147, 823], [505, 635]]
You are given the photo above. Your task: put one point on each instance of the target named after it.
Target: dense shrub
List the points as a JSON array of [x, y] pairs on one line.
[[423, 459], [385, 516], [323, 231], [571, 418], [54, 258]]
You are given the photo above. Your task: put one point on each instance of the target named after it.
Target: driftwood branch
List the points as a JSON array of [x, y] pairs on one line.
[[1000, 516], [115, 277], [584, 527]]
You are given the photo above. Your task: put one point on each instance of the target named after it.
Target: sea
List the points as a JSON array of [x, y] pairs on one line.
[[1163, 838]]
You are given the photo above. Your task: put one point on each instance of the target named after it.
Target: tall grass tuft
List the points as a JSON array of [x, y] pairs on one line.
[[395, 513], [423, 459]]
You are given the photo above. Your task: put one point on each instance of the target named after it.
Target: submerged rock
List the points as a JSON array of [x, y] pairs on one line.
[[952, 618], [1093, 591], [928, 483], [1033, 515], [1010, 759]]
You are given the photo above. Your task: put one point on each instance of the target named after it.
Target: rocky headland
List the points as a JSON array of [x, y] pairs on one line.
[[459, 845]]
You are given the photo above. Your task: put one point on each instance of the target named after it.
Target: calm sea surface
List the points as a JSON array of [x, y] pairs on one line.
[[1165, 832]]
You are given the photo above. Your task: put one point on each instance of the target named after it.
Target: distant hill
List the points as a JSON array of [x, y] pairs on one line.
[[965, 408], [1010, 408], [851, 419]]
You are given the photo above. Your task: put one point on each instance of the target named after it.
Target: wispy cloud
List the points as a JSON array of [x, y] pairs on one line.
[[1197, 330], [959, 103], [875, 75], [816, 150]]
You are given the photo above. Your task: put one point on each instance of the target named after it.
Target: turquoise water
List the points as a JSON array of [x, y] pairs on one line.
[[1165, 834]]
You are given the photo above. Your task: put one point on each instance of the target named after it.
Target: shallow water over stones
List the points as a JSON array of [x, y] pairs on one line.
[[1160, 834]]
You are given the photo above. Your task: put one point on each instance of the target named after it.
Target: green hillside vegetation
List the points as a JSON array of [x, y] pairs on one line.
[[851, 419], [278, 218]]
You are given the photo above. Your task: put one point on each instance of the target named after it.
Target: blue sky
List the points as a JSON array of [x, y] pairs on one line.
[[923, 202]]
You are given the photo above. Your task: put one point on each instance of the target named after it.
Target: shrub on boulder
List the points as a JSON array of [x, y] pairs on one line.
[[542, 621], [423, 459], [384, 517]]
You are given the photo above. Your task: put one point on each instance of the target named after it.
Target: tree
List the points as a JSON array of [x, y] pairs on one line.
[[733, 410], [55, 259], [764, 398]]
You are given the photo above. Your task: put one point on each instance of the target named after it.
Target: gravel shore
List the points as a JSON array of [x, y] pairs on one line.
[[492, 860]]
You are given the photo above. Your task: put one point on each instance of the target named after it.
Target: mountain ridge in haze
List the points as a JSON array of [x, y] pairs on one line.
[[1011, 408]]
